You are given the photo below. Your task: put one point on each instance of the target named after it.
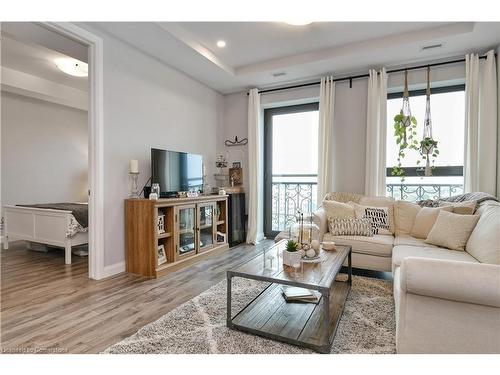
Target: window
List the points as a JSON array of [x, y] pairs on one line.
[[448, 118], [291, 164]]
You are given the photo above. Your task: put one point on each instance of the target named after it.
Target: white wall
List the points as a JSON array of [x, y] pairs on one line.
[[44, 151], [147, 104]]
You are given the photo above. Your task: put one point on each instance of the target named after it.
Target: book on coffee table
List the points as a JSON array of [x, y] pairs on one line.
[[294, 294]]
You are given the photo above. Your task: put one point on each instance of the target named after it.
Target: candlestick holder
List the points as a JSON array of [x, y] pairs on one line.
[[134, 186]]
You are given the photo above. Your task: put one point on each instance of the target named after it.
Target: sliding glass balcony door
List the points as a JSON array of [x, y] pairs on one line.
[[291, 164]]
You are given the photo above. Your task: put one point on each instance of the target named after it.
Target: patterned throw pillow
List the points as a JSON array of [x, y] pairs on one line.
[[378, 217], [350, 227]]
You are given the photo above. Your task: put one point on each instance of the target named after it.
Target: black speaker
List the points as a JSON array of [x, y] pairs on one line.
[[236, 219]]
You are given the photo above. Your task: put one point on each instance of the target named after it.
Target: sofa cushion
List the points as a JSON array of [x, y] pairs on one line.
[[406, 239], [425, 219], [402, 251], [484, 241], [404, 216], [381, 202], [338, 210], [452, 230], [462, 208], [344, 197], [379, 244]]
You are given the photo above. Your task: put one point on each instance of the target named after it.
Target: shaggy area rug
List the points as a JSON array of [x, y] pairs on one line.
[[199, 325]]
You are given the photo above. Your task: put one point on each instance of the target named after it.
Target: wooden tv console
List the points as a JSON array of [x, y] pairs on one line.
[[193, 228]]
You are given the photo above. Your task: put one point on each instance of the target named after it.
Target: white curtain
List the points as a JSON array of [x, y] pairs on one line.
[[325, 137], [376, 133], [255, 199], [480, 124]]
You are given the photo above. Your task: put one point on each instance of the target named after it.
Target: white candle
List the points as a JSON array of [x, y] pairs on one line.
[[134, 166]]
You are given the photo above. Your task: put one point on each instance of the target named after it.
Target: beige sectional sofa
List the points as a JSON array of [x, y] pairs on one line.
[[447, 301]]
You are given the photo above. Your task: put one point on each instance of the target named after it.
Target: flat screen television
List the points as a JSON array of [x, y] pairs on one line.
[[176, 171]]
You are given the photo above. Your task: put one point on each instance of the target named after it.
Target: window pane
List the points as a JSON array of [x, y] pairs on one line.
[[295, 143], [448, 118], [447, 114]]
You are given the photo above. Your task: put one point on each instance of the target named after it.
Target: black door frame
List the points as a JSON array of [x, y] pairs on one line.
[[268, 157]]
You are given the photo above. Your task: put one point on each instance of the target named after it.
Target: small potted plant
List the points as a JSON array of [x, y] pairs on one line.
[[292, 253]]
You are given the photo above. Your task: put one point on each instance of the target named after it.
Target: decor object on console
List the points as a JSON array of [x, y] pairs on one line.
[[162, 258], [161, 223], [134, 177], [236, 176], [428, 146], [405, 131], [155, 191]]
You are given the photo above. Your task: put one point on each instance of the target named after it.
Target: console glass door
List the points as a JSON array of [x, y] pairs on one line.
[[206, 225], [186, 221]]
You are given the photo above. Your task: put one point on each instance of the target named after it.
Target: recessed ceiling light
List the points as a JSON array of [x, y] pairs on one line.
[[221, 43], [298, 23], [73, 67]]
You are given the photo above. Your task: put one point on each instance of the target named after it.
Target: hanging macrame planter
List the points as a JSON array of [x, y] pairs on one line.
[[405, 131], [428, 146]]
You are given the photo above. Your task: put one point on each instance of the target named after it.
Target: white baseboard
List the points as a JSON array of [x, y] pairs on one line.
[[113, 269]]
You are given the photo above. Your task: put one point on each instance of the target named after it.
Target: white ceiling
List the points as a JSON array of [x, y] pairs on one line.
[[256, 50], [38, 61]]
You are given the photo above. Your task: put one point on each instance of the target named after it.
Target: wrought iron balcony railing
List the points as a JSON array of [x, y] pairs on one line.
[[289, 196], [418, 192]]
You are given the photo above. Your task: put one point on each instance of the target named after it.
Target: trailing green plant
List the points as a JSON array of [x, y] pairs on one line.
[[405, 131], [292, 246]]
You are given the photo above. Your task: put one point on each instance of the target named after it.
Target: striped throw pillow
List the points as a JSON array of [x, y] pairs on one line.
[[350, 227]]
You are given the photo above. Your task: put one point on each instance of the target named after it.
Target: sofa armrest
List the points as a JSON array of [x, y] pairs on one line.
[[321, 221], [475, 283]]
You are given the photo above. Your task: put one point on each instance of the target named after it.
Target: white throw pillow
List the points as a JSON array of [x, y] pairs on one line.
[[350, 227], [425, 219], [404, 216], [452, 230], [381, 202], [378, 216], [338, 210]]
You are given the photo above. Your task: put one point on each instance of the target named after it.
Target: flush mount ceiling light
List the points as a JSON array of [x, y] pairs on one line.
[[298, 23], [221, 43], [73, 67]]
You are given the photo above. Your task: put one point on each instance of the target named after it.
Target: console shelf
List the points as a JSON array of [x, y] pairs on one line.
[[143, 242]]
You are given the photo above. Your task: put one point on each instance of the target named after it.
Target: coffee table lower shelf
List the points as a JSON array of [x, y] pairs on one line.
[[301, 324]]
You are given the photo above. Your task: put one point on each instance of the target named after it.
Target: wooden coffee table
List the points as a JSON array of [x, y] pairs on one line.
[[306, 325]]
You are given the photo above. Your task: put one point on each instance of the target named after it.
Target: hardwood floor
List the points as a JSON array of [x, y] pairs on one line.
[[50, 307], [47, 306]]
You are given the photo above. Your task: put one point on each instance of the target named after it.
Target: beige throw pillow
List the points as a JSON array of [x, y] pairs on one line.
[[425, 219], [462, 208], [378, 216], [404, 216], [338, 210], [452, 230]]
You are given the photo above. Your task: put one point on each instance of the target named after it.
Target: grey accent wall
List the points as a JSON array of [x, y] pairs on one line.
[[147, 104], [44, 151]]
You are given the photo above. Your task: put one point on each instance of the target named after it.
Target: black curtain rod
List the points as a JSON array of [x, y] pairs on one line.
[[350, 78]]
